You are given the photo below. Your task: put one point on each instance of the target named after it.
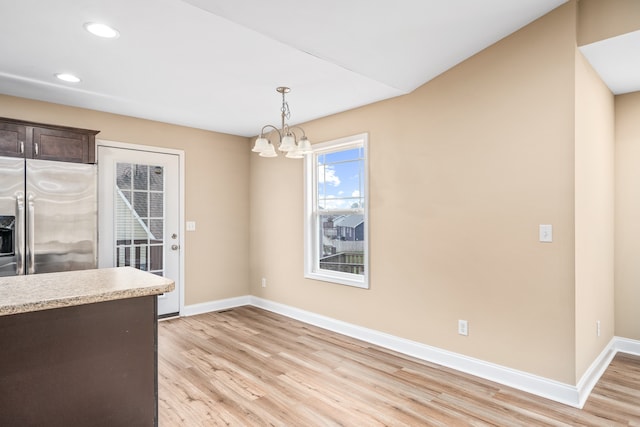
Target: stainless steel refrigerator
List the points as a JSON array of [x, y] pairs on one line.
[[48, 216]]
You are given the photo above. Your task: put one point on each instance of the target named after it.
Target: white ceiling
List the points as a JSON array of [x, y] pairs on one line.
[[215, 64], [617, 61]]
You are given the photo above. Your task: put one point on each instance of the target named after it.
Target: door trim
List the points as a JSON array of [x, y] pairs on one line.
[[181, 197]]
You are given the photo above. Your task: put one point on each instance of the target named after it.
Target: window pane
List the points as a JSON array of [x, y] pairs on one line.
[[156, 200], [141, 177], [140, 262], [155, 255], [156, 179], [140, 204], [341, 240], [123, 175], [124, 223], [156, 228], [127, 195], [340, 185]]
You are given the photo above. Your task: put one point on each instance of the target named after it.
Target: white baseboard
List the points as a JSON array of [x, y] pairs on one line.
[[591, 377], [537, 385], [207, 307], [567, 394], [625, 345]]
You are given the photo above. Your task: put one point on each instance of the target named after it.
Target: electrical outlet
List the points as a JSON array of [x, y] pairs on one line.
[[463, 327], [264, 282], [598, 327]]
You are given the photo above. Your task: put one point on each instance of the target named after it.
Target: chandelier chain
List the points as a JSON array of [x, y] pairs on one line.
[[285, 110], [286, 113]]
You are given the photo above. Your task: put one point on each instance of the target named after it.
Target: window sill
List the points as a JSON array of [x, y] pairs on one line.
[[355, 280]]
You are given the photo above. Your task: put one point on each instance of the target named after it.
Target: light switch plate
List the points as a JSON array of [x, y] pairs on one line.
[[191, 226], [546, 233]]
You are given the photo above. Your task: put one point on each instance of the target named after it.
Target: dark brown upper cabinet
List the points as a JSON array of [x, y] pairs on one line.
[[46, 142], [12, 139]]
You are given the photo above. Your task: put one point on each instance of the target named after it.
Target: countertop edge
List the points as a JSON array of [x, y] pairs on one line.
[[81, 295], [82, 300]]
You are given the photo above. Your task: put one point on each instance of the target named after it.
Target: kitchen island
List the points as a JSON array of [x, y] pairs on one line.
[[80, 348]]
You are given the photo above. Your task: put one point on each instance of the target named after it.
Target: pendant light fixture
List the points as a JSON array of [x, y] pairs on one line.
[[295, 147]]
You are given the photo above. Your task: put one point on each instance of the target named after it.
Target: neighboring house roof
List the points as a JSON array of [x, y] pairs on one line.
[[351, 221]]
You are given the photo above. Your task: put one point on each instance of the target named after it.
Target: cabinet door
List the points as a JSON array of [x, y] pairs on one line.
[[12, 140], [63, 145]]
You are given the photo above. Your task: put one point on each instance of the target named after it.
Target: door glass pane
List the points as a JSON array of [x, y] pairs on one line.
[[156, 227], [156, 202], [140, 205], [139, 223], [123, 172], [141, 177], [156, 178]]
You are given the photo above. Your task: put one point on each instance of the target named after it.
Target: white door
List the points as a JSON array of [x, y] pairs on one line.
[[139, 215]]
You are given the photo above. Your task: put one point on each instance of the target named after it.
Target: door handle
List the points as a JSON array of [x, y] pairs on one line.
[[31, 221], [19, 244], [175, 247]]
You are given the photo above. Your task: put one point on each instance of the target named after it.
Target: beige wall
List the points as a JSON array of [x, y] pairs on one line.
[[627, 245], [602, 19], [462, 171], [217, 171], [594, 221]]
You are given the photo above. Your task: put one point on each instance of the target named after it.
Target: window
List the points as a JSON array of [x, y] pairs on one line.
[[336, 234]]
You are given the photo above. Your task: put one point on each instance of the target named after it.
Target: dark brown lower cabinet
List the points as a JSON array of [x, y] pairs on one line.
[[86, 365]]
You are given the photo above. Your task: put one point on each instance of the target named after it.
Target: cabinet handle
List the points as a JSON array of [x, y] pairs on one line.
[[35, 147], [21, 147]]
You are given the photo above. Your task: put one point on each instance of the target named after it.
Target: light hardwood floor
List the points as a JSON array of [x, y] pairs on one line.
[[250, 367]]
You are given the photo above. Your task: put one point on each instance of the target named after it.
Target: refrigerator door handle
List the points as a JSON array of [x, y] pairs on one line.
[[30, 234], [19, 245]]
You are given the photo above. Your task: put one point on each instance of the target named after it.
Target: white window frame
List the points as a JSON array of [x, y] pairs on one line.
[[312, 268]]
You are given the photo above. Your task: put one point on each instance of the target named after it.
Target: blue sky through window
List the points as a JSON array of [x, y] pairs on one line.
[[340, 179]]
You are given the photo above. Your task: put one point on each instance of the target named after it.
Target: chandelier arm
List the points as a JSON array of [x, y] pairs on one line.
[[273, 128], [291, 128]]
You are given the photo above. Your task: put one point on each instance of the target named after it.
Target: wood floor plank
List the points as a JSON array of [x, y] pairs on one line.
[[251, 367]]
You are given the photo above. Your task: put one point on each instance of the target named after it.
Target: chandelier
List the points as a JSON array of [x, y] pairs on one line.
[[295, 147]]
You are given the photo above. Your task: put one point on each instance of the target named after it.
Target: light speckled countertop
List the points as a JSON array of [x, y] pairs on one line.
[[22, 294]]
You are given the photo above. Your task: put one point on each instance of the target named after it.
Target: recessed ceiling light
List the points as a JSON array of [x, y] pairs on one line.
[[68, 77], [101, 30]]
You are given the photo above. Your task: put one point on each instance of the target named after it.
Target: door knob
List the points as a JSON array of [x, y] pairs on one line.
[[175, 247]]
